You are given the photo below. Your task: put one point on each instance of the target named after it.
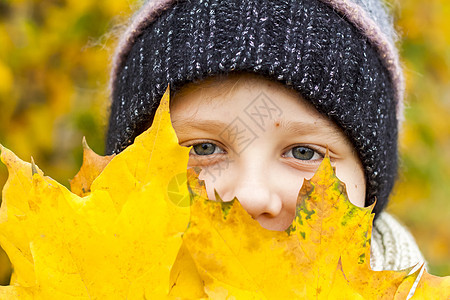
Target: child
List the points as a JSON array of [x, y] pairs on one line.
[[260, 89]]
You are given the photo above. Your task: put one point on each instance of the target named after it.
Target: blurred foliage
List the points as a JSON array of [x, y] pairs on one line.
[[421, 199], [54, 63]]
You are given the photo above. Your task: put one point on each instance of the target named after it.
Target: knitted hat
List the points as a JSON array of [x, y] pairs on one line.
[[338, 54]]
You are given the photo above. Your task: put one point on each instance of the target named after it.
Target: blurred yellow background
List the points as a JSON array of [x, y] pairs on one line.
[[54, 64]]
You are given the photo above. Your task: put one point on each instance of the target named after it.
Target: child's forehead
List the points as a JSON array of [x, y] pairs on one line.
[[227, 85], [253, 99]]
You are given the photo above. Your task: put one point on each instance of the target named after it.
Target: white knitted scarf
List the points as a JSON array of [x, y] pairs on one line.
[[392, 246]]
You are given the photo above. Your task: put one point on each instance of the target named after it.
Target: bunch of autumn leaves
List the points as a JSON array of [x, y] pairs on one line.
[[123, 233]]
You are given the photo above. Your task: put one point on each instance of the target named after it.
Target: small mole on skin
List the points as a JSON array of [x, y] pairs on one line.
[[277, 124]]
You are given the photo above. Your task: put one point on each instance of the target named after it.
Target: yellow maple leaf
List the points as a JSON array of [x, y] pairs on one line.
[[324, 254], [109, 244], [93, 165], [133, 236]]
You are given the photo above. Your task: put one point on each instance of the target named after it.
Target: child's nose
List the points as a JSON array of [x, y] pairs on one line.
[[258, 201], [253, 189]]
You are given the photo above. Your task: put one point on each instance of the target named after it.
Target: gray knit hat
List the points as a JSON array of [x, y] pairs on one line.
[[338, 54]]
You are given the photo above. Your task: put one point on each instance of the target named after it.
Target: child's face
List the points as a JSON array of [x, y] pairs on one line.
[[256, 140]]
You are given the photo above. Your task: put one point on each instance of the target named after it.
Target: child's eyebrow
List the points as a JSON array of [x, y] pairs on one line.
[[184, 126], [319, 126]]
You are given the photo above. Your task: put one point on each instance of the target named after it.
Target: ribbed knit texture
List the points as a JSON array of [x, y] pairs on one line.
[[302, 43], [369, 16], [392, 246]]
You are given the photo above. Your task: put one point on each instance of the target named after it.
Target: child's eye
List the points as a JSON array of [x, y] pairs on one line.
[[303, 153], [206, 149]]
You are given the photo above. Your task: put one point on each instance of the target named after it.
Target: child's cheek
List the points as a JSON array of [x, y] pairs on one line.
[[351, 173]]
